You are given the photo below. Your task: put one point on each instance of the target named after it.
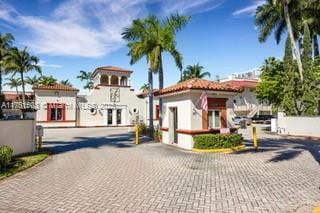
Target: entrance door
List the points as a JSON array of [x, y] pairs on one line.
[[214, 119], [173, 125], [109, 116]]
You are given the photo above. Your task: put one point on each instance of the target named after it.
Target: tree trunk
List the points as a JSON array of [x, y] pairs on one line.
[[293, 43], [23, 95], [160, 88], [1, 95], [150, 82], [315, 45]]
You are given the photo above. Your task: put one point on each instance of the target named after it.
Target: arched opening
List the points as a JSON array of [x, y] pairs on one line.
[[124, 81], [114, 80], [104, 79]]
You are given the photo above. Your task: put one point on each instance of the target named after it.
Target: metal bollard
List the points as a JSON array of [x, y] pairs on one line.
[[255, 141]]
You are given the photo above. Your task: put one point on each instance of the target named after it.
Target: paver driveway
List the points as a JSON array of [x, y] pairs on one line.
[[101, 170]]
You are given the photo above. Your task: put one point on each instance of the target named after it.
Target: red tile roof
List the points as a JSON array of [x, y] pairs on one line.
[[55, 86], [199, 84], [243, 83], [12, 96], [111, 68]]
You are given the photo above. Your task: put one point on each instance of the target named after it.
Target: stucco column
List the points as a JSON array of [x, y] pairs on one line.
[[114, 117], [123, 116], [119, 80], [109, 81]]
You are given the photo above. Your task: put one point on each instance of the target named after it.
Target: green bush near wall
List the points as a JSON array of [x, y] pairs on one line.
[[217, 141], [5, 156]]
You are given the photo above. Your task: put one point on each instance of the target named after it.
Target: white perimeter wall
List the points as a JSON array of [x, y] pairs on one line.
[[298, 126], [19, 135]]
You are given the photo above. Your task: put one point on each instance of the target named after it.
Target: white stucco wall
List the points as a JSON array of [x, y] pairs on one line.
[[43, 97], [183, 104], [190, 115], [101, 98], [19, 135], [298, 125]]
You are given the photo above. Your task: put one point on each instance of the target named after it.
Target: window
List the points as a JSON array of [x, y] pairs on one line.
[[124, 81], [214, 119], [114, 80], [157, 112], [119, 116], [104, 79], [56, 112], [109, 116]]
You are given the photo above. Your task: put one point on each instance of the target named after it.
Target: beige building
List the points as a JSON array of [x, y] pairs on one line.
[[183, 116], [56, 105], [246, 103], [111, 102]]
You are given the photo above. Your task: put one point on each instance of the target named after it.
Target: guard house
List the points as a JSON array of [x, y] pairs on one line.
[[183, 116]]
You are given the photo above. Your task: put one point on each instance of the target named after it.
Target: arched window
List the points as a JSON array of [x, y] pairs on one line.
[[104, 79], [124, 81], [114, 80]]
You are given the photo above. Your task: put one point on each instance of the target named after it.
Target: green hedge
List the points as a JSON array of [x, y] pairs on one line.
[[217, 141], [5, 156]]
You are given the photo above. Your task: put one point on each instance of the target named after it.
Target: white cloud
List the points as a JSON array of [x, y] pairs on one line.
[[251, 9], [91, 28], [190, 6], [43, 63]]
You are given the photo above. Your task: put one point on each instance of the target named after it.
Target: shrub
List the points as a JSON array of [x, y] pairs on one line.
[[142, 128], [217, 141], [5, 156], [157, 135]]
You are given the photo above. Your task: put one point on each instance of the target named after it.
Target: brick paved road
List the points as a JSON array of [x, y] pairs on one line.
[[100, 170]]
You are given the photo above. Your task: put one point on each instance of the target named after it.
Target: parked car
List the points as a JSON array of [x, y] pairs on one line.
[[237, 120], [264, 119]]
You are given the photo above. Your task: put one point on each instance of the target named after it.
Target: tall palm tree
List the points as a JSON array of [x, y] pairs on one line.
[[87, 77], [151, 37], [279, 15], [66, 83], [32, 81], [21, 62], [195, 71], [5, 45], [14, 83], [47, 80]]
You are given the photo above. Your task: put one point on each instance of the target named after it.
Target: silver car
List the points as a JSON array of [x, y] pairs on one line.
[[238, 119]]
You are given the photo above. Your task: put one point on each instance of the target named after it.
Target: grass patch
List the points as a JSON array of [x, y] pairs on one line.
[[22, 162]]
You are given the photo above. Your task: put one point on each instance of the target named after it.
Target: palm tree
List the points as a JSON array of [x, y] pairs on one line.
[[281, 15], [195, 71], [66, 83], [32, 81], [88, 78], [151, 37], [144, 88], [5, 45], [47, 80], [14, 83], [21, 62]]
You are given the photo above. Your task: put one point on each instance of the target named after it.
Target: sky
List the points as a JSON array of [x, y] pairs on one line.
[[72, 35]]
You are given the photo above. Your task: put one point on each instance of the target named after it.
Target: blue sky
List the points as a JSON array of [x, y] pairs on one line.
[[73, 35]]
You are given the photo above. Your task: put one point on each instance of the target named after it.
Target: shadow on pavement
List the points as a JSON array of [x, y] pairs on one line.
[[285, 149], [116, 140]]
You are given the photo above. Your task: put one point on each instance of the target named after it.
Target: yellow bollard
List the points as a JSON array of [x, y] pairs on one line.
[[255, 141], [137, 135]]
